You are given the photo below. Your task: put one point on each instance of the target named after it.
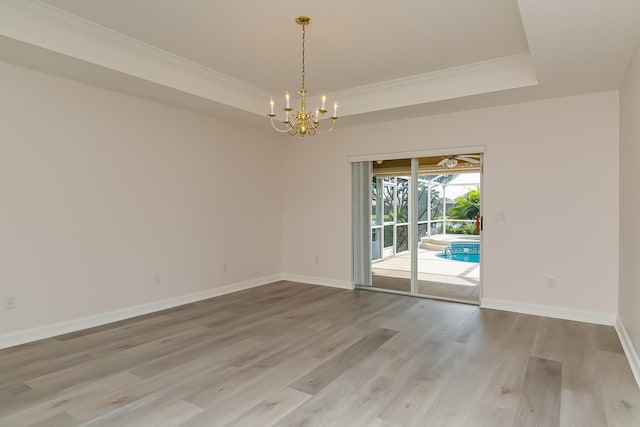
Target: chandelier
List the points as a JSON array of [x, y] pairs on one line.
[[302, 122]]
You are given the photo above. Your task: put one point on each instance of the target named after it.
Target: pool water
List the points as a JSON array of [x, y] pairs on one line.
[[461, 257]]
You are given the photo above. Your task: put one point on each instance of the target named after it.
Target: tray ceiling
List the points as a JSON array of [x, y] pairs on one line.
[[381, 60]]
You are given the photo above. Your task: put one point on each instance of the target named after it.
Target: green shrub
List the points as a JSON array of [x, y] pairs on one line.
[[466, 228]]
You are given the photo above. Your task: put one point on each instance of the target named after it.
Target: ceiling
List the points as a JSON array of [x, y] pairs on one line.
[[379, 60], [426, 166], [366, 42]]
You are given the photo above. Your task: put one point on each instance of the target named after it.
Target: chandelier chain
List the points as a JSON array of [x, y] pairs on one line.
[[303, 38]]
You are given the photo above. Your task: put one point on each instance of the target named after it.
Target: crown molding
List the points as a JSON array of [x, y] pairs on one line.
[[39, 24], [494, 75], [74, 38]]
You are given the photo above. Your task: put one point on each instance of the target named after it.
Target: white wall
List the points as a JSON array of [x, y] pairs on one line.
[[551, 166], [100, 192], [629, 306]]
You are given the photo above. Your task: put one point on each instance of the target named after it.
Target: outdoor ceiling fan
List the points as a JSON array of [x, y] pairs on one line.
[[452, 160]]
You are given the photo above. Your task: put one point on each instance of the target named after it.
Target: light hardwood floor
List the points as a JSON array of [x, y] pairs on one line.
[[289, 354], [437, 290]]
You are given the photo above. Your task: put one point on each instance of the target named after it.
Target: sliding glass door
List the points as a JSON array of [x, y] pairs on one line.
[[425, 228]]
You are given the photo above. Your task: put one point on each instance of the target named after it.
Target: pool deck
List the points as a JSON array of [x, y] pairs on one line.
[[437, 277]]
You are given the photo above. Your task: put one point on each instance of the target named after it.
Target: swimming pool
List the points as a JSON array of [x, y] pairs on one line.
[[462, 251], [461, 257]]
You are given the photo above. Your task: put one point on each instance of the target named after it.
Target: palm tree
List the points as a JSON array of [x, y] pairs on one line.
[[467, 206]]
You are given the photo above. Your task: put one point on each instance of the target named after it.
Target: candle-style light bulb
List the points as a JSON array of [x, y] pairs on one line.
[[271, 103], [324, 100], [286, 95], [335, 110]]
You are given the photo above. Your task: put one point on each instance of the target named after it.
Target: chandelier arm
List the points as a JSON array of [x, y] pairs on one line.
[[333, 123], [302, 122], [279, 130]]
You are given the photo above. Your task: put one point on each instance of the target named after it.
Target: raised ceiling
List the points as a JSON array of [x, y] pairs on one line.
[[349, 43], [381, 60]]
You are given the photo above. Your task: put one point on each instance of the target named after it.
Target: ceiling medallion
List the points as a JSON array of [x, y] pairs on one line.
[[302, 122]]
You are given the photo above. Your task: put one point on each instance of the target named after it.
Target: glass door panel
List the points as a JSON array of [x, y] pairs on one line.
[[391, 255], [447, 234]]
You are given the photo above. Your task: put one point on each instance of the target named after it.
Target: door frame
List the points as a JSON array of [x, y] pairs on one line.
[[413, 220]]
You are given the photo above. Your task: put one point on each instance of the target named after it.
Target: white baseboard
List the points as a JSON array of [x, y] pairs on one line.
[[48, 331], [322, 281], [599, 318], [629, 349]]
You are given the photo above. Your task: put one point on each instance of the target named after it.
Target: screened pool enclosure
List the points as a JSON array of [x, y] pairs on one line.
[[439, 211]]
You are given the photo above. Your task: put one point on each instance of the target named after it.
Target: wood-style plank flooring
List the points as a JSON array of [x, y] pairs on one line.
[[289, 354]]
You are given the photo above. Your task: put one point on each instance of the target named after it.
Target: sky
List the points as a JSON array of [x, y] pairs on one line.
[[470, 181]]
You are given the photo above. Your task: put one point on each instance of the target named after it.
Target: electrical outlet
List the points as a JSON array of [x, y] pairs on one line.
[[551, 281], [157, 278], [9, 302], [499, 217], [317, 260], [225, 267]]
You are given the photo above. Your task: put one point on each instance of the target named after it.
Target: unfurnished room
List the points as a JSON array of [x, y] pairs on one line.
[[344, 213]]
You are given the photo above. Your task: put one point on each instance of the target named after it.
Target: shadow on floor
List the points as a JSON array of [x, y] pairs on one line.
[[428, 288]]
